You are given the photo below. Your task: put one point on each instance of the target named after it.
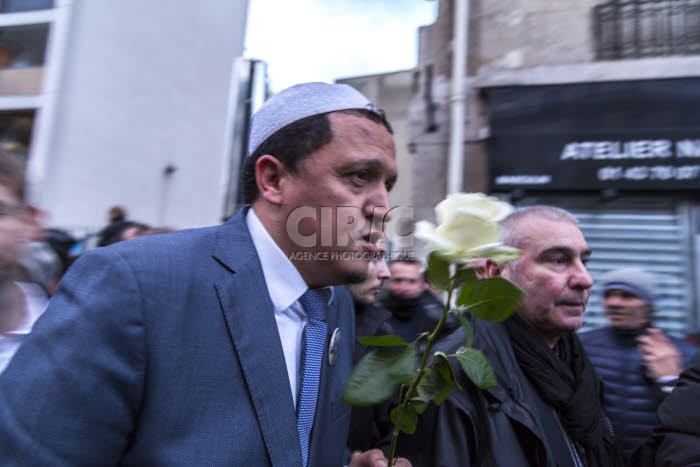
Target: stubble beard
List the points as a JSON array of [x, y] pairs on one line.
[[355, 277]]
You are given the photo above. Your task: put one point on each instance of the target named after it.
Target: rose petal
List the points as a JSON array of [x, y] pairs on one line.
[[427, 232], [497, 252], [467, 228], [468, 231]]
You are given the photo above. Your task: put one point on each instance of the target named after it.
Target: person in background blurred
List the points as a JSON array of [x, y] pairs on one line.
[[63, 244], [41, 265], [47, 259], [21, 301], [639, 364], [368, 424], [675, 441], [116, 223], [413, 307], [370, 318]]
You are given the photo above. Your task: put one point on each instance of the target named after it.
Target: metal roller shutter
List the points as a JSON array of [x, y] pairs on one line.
[[651, 234], [652, 241]]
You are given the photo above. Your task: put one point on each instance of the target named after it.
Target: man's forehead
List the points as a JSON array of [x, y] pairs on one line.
[[406, 268], [545, 234]]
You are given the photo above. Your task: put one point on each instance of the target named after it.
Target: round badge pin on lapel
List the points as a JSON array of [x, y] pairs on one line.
[[334, 346]]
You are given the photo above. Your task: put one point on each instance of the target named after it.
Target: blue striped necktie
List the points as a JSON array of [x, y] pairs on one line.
[[315, 303]]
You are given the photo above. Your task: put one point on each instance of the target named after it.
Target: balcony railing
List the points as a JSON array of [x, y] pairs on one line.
[[646, 28], [21, 81]]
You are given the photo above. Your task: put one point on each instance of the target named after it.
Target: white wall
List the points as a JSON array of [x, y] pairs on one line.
[[144, 84]]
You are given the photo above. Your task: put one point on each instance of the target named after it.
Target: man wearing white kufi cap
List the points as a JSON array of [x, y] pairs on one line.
[[211, 346]]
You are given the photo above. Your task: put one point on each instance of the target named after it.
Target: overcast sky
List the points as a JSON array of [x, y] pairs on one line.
[[322, 40]]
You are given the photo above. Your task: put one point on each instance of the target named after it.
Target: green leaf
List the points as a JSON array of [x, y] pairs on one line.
[[444, 368], [465, 276], [376, 377], [432, 388], [492, 299], [419, 405], [383, 341], [424, 390], [438, 271], [443, 365], [405, 365], [408, 421], [468, 331], [477, 367]]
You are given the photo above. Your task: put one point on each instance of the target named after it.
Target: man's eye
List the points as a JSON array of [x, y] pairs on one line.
[[361, 175]]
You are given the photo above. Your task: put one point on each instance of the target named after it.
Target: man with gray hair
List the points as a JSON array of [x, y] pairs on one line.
[[639, 364], [222, 345], [545, 409]]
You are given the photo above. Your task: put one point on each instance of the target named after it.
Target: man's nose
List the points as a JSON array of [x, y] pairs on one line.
[[581, 278], [383, 272], [378, 204]]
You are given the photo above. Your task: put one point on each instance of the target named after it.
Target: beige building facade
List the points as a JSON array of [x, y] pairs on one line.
[[588, 105], [122, 102]]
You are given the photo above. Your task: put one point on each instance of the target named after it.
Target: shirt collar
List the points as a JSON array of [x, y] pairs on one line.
[[284, 283]]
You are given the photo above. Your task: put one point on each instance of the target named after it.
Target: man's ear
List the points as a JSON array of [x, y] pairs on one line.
[[492, 269], [269, 172]]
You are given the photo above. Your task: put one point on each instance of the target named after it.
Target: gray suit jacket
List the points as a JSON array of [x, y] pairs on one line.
[[164, 350]]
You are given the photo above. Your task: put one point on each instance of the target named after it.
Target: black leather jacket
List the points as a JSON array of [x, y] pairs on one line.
[[482, 428]]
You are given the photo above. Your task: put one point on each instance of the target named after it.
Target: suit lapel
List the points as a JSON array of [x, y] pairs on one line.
[[251, 323]]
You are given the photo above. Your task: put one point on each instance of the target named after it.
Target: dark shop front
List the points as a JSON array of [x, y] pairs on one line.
[[624, 157]]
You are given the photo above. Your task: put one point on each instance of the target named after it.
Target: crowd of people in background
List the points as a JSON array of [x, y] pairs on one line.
[[612, 396], [639, 363], [119, 228], [34, 257]]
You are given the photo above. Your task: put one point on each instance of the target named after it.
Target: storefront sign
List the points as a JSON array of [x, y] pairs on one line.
[[632, 136]]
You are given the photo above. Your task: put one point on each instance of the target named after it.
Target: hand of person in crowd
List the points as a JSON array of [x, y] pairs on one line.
[[661, 356], [374, 458]]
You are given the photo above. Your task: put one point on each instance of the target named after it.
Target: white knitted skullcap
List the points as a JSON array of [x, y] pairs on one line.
[[301, 101]]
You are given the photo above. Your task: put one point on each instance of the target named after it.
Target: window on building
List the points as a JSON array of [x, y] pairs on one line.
[[646, 28], [22, 55], [430, 106], [16, 6], [23, 46]]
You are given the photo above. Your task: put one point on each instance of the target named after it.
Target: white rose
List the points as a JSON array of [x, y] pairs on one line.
[[467, 229], [478, 204]]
